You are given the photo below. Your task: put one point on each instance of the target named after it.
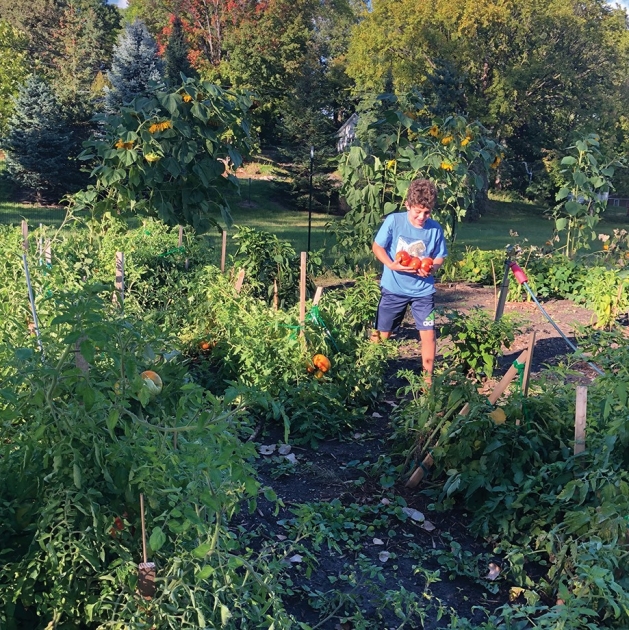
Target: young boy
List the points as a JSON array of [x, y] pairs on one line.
[[416, 233]]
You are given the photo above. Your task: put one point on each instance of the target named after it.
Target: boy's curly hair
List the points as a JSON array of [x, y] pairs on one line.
[[422, 192]]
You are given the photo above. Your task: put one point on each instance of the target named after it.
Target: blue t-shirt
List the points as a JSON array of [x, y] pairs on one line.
[[397, 233]]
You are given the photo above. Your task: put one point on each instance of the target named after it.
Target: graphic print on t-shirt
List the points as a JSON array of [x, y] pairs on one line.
[[414, 248]]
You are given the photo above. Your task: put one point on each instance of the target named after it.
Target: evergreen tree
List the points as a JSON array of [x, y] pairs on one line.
[[39, 146], [134, 68], [176, 58]]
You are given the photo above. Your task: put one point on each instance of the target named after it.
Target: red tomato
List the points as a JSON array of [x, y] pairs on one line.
[[403, 257], [427, 264], [415, 263]]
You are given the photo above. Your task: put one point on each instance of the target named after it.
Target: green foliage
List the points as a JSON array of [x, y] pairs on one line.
[[80, 446], [38, 145], [541, 504], [269, 261], [403, 146], [261, 357], [176, 61], [477, 340], [502, 53], [171, 155], [13, 69], [583, 197]]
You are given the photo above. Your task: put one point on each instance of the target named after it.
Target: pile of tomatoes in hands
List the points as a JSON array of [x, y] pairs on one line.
[[413, 263]]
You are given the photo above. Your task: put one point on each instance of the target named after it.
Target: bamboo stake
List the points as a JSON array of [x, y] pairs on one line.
[[223, 251], [580, 419], [302, 291], [276, 297]]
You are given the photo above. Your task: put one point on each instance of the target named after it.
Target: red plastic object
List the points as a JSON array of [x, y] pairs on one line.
[[519, 274]]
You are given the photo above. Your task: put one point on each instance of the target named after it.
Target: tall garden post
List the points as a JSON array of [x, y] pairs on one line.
[[310, 197], [48, 253], [223, 251], [302, 291], [579, 419]]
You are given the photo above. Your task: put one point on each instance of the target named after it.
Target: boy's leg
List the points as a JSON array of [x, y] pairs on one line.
[[429, 350], [424, 313], [390, 314]]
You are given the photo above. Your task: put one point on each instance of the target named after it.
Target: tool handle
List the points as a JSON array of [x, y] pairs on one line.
[[519, 274], [143, 527]]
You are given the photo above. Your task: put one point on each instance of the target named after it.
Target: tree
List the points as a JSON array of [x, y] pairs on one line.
[[172, 154], [176, 61], [14, 68], [135, 67], [38, 144], [534, 72], [83, 40]]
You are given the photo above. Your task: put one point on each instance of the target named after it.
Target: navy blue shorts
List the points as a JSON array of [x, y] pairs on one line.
[[392, 308]]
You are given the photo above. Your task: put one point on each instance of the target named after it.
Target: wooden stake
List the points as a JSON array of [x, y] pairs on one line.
[[302, 291], [24, 235], [223, 251], [48, 253], [119, 294], [180, 242], [579, 419], [317, 296], [527, 365], [420, 471], [146, 570], [276, 296], [239, 280]]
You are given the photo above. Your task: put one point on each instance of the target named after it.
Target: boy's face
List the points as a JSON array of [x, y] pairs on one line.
[[417, 215]]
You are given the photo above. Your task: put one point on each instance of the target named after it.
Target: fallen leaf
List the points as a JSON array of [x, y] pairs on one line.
[[385, 501], [391, 402], [428, 526], [414, 514], [291, 458], [515, 592], [498, 416], [267, 449], [375, 414], [281, 537], [296, 559], [377, 541], [494, 571], [383, 556], [357, 436], [285, 449]]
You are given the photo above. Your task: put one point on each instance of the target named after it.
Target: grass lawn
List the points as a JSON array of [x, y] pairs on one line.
[[258, 206]]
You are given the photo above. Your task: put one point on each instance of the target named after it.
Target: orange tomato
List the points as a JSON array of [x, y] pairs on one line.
[[321, 362], [319, 374]]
